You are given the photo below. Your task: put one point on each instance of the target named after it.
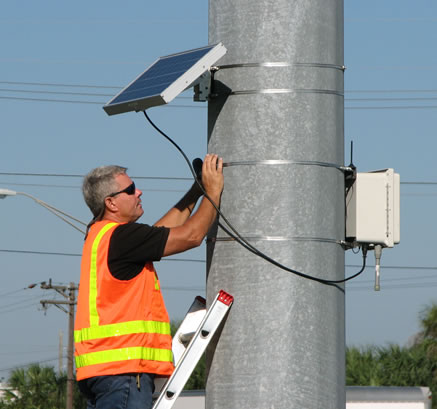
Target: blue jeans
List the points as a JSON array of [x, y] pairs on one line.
[[118, 391]]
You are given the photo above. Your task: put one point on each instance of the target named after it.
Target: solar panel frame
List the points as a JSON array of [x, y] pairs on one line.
[[185, 68]]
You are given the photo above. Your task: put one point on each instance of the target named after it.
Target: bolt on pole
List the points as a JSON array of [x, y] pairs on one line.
[[276, 114]]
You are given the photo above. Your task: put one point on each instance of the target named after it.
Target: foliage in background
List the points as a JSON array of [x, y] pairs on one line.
[[197, 379], [393, 365], [42, 388], [37, 387]]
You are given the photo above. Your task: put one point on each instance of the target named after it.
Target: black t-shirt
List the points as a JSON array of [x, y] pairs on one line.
[[132, 245]]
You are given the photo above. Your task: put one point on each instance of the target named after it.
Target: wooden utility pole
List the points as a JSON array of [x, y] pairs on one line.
[[71, 302]]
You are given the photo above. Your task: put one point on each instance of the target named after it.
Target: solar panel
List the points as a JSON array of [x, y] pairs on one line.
[[166, 78]]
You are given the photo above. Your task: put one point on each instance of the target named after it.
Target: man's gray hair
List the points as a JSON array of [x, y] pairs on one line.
[[98, 184]]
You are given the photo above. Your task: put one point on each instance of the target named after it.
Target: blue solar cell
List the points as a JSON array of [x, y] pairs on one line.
[[156, 79]]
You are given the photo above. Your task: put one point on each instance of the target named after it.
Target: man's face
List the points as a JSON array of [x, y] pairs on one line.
[[128, 207]]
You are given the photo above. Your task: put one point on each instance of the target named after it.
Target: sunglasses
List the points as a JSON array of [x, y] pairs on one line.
[[130, 190]]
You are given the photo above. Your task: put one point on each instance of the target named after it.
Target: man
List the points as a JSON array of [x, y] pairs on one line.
[[122, 330]]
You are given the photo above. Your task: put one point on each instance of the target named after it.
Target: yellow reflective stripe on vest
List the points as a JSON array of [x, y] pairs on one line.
[[124, 354], [94, 315], [123, 328]]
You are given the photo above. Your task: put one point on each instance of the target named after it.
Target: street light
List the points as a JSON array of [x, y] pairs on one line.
[[59, 213]]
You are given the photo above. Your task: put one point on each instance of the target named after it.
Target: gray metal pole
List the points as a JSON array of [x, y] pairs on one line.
[[283, 345]]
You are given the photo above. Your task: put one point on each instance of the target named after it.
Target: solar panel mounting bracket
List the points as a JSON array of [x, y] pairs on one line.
[[202, 87]]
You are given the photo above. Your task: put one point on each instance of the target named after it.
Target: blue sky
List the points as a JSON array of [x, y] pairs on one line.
[[98, 47]]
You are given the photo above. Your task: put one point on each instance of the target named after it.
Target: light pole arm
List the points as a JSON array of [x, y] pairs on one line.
[[50, 208]]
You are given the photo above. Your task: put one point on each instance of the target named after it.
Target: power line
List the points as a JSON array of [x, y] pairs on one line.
[[79, 187], [135, 177], [118, 87], [53, 100], [418, 183], [28, 301], [12, 292], [57, 84], [45, 253], [431, 268], [20, 307], [394, 67], [39, 91], [419, 107], [390, 99], [392, 107], [45, 185], [389, 91], [52, 253], [190, 260], [89, 94], [29, 351], [393, 19], [28, 364], [101, 21], [82, 176], [70, 101], [36, 91], [394, 287], [394, 280]]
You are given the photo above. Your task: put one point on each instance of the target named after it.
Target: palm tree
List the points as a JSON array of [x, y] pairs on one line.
[[361, 366], [35, 388], [398, 366], [428, 321]]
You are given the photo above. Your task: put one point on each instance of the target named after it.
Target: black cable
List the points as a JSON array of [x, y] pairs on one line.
[[247, 244], [242, 241]]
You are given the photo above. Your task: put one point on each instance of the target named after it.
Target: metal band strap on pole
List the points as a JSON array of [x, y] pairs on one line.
[[278, 238], [341, 68], [285, 91], [285, 162], [282, 162], [279, 64]]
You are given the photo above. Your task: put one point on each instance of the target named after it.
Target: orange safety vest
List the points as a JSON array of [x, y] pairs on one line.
[[122, 326]]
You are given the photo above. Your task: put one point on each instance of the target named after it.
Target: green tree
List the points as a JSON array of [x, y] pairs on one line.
[[393, 365], [406, 366], [38, 387], [197, 379], [35, 388], [361, 366], [428, 322]]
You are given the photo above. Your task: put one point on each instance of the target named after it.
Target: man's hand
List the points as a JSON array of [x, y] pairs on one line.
[[212, 175], [191, 233]]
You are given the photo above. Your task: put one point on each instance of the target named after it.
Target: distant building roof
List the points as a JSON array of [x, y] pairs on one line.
[[356, 396], [387, 394]]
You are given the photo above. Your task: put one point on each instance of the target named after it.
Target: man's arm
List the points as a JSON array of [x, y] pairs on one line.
[[193, 230], [179, 214]]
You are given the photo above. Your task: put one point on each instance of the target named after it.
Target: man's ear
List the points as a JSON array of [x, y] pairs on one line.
[[110, 205]]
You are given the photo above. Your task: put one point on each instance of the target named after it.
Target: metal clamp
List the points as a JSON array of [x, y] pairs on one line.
[[279, 64], [277, 238], [284, 162], [286, 91]]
